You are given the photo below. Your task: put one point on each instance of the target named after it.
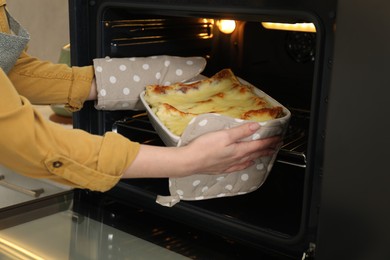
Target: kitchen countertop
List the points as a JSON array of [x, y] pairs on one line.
[[15, 188], [57, 232], [49, 114]]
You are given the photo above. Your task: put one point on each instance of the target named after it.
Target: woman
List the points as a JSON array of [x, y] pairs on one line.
[[35, 147]]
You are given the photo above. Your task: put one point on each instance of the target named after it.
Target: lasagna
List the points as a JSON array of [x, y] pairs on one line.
[[175, 105]]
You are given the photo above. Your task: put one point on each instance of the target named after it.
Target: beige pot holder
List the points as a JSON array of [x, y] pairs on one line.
[[121, 80], [204, 186]]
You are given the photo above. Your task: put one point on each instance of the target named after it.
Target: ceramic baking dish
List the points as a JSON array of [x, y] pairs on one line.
[[269, 128]]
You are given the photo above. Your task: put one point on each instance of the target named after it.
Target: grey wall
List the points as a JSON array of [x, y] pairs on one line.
[[47, 22], [355, 209]]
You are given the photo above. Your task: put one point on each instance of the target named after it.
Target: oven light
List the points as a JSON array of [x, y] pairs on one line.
[[299, 27], [226, 26]]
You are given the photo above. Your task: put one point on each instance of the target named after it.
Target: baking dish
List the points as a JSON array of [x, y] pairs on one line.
[[171, 139]]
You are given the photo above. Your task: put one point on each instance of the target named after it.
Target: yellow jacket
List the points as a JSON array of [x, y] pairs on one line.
[[38, 148]]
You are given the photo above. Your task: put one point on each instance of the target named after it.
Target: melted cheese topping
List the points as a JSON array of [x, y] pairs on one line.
[[177, 104]]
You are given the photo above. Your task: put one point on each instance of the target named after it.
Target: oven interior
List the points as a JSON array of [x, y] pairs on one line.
[[284, 64]]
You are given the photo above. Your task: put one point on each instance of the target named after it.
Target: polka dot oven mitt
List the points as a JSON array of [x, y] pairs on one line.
[[120, 81], [204, 186]]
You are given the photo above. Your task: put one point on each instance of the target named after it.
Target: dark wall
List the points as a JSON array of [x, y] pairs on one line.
[[355, 212]]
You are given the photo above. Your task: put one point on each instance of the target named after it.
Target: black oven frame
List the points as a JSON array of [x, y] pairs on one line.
[[85, 34]]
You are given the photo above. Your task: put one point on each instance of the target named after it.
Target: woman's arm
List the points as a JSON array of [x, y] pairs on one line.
[[93, 91], [43, 82], [213, 153]]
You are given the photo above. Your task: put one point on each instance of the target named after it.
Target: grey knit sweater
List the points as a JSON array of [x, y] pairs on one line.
[[11, 45]]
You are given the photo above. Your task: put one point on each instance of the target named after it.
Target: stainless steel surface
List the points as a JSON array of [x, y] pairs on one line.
[[293, 151], [31, 192], [17, 189]]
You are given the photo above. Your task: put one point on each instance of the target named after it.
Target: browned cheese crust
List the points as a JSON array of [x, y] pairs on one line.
[[175, 105]]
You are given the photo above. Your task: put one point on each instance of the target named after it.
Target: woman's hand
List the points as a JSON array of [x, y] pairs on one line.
[[212, 153], [223, 151]]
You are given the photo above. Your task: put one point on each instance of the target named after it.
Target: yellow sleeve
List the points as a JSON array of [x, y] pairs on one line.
[[43, 82], [36, 147]]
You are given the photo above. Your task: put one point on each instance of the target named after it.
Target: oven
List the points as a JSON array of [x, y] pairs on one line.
[[293, 66]]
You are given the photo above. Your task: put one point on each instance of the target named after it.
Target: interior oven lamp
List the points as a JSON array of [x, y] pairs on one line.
[[226, 26], [297, 27]]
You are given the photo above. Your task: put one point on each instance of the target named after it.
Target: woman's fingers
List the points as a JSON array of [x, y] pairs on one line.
[[239, 167], [236, 134], [225, 151], [261, 147], [242, 131]]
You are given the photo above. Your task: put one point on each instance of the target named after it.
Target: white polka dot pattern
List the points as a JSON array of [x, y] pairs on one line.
[[126, 91], [136, 78], [179, 72], [244, 177], [120, 81], [256, 136], [112, 79], [205, 186], [203, 122]]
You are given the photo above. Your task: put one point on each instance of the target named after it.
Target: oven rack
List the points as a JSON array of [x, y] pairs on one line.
[[138, 128]]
